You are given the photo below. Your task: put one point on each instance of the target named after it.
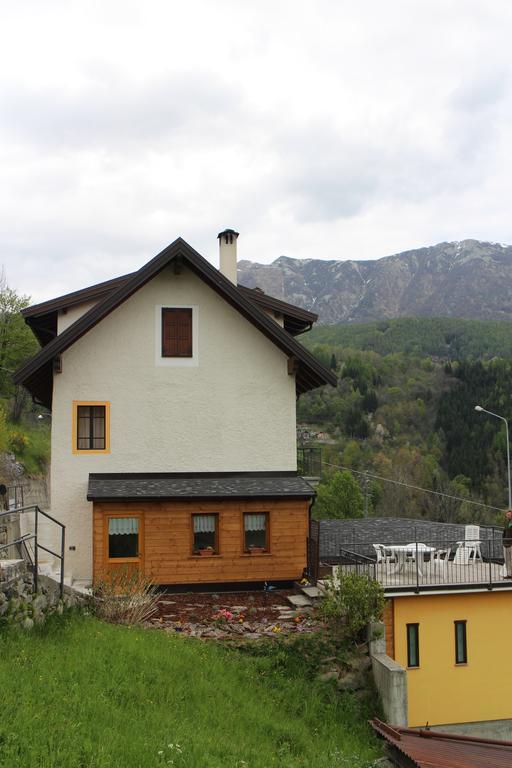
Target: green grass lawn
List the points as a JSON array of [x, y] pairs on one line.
[[80, 693]]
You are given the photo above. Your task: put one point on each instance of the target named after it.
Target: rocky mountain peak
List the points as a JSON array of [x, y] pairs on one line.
[[466, 278]]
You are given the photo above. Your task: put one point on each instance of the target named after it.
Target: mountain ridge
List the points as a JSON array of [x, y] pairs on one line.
[[468, 279]]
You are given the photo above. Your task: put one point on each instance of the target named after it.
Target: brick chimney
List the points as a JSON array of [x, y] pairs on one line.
[[227, 254]]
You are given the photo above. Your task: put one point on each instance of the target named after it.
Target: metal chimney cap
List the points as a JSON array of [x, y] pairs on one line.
[[228, 234]]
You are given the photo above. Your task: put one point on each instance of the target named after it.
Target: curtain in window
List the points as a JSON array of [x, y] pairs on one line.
[[255, 522], [204, 523], [123, 526], [83, 427]]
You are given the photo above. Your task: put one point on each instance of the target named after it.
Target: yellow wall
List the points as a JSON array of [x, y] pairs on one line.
[[440, 691]]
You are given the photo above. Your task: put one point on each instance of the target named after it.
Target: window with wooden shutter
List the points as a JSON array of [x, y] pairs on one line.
[[176, 332]]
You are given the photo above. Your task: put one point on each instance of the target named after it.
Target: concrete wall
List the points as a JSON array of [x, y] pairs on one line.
[[390, 679], [232, 411]]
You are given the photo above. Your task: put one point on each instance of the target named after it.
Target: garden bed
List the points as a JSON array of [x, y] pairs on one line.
[[233, 615]]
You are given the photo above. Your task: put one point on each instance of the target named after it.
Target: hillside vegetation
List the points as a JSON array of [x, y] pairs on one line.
[[22, 433], [409, 417], [443, 337]]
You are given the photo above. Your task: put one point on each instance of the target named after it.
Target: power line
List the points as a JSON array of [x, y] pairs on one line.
[[413, 487]]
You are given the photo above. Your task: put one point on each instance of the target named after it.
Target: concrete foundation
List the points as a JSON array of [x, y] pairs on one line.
[[488, 729]]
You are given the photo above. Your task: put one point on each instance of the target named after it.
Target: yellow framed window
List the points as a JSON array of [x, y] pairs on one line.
[[91, 426]]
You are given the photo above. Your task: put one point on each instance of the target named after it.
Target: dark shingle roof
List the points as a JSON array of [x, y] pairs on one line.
[[126, 487], [363, 532], [37, 373]]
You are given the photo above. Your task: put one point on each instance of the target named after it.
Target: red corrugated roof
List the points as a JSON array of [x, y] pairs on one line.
[[432, 749]]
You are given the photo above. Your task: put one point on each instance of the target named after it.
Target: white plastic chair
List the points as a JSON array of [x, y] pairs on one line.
[[469, 551], [383, 557], [440, 559]]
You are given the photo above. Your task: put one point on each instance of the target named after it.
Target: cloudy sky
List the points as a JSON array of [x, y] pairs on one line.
[[330, 129]]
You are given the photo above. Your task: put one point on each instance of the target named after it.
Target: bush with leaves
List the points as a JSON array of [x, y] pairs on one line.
[[352, 601]]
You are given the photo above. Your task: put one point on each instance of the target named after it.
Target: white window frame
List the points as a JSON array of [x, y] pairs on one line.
[[176, 362]]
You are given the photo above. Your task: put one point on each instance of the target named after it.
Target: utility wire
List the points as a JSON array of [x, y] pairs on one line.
[[413, 487]]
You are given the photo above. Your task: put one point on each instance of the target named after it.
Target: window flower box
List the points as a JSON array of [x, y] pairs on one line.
[[208, 552], [257, 550]]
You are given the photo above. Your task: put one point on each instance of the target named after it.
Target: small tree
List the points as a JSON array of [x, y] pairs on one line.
[[339, 497], [352, 603]]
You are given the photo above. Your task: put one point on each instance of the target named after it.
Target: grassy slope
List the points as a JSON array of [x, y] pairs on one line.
[[84, 694]]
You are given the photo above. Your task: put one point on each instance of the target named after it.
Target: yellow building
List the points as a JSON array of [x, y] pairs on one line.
[[454, 646], [442, 659]]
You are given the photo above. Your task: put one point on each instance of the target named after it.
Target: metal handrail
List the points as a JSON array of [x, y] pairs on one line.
[[359, 560], [34, 537]]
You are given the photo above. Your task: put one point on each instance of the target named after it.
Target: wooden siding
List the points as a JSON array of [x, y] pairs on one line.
[[389, 628], [167, 544]]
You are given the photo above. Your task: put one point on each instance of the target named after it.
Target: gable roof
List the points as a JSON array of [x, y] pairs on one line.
[[37, 374], [42, 318], [434, 749]]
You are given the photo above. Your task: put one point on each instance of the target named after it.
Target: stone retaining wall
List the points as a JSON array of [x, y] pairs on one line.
[[21, 606]]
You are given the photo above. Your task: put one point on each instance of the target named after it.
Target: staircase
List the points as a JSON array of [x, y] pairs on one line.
[[307, 596], [27, 547]]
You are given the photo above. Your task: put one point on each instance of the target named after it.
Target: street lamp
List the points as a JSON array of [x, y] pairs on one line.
[[483, 410]]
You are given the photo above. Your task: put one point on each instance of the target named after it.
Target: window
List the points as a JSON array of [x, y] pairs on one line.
[[176, 332], [91, 427], [256, 532], [461, 646], [123, 537], [413, 645], [205, 529]]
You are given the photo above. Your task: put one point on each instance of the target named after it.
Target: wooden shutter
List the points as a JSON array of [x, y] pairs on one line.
[[176, 332]]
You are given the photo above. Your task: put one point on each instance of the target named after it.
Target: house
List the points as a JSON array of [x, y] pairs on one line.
[[172, 391], [447, 613]]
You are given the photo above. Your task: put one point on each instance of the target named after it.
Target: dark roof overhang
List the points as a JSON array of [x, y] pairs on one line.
[[42, 318], [196, 485], [310, 372]]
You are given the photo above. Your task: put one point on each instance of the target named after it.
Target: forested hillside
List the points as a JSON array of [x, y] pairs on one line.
[[24, 437], [408, 416], [444, 337]]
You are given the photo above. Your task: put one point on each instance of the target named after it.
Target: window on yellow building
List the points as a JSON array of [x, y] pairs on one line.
[[413, 645], [461, 645]]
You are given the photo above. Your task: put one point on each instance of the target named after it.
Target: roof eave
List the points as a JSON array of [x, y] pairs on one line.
[[217, 281]]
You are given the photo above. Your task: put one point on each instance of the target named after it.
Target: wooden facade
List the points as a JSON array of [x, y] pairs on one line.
[[166, 540], [389, 627]]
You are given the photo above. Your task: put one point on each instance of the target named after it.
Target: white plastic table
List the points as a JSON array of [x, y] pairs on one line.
[[402, 551]]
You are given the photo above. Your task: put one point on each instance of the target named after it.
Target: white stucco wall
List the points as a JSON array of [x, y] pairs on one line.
[[233, 411], [65, 319]]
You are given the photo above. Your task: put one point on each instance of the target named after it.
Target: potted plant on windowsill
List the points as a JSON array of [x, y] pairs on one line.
[[207, 552], [254, 550]]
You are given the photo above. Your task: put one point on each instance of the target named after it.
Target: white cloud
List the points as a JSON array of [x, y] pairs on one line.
[[328, 129]]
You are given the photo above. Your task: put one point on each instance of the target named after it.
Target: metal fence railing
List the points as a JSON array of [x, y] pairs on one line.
[[434, 563], [27, 546]]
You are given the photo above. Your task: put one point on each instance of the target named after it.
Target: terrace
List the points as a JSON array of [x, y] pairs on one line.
[[415, 556]]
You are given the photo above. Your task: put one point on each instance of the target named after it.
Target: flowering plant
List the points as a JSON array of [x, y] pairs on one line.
[[223, 616]]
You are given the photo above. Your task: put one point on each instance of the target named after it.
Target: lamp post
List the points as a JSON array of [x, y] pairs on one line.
[[497, 416]]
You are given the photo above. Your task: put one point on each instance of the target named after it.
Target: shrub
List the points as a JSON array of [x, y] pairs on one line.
[[352, 603], [18, 442], [125, 597]]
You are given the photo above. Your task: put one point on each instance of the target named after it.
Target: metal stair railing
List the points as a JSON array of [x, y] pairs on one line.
[[34, 537]]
